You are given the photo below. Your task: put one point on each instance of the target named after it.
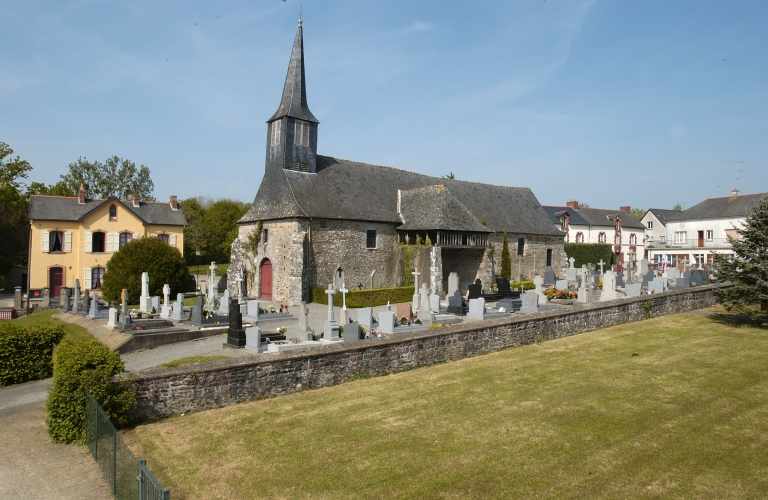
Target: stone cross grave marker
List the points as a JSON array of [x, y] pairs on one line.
[[239, 280], [331, 330], [212, 287], [94, 311], [166, 310], [601, 263], [415, 300], [539, 282], [609, 286], [343, 290], [145, 301]]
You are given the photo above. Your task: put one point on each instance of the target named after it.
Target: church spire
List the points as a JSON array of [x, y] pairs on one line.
[[294, 101]]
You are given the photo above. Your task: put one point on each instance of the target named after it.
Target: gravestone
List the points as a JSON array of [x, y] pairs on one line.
[[65, 306], [583, 293], [112, 322], [387, 322], [166, 308], [609, 286], [125, 316], [225, 303], [682, 283], [571, 272], [351, 331], [155, 304], [243, 307], [304, 332], [235, 332], [642, 268], [456, 303], [197, 311], [510, 305], [331, 330], [538, 281], [403, 310], [476, 308], [503, 285], [530, 302], [453, 283], [178, 308], [695, 278], [561, 284], [145, 301], [86, 301], [633, 289], [365, 317], [253, 309], [620, 279], [253, 339], [76, 298], [549, 277], [415, 299], [434, 302], [212, 286], [93, 312], [647, 277], [476, 289], [425, 312]]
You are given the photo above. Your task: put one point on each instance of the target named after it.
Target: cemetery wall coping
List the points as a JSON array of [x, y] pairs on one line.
[[195, 387]]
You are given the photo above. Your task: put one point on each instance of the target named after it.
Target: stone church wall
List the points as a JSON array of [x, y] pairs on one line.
[[534, 256]]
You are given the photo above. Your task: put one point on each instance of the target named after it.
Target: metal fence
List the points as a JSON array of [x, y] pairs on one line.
[[128, 478]]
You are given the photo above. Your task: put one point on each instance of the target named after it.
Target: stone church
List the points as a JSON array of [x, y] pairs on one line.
[[315, 216]]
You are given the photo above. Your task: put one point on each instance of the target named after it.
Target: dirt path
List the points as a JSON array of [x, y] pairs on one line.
[[33, 466]]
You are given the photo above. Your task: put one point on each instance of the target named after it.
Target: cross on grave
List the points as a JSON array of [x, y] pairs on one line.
[[212, 287], [601, 267], [415, 298], [571, 261], [239, 280], [416, 275], [343, 290], [166, 294], [330, 292]]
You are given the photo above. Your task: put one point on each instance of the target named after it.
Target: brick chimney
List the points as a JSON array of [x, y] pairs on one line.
[[174, 202], [136, 200], [573, 204], [81, 195], [626, 210]]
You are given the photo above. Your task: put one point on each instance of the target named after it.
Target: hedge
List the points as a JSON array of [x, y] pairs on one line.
[[522, 285], [78, 364], [590, 253], [26, 353], [365, 298]]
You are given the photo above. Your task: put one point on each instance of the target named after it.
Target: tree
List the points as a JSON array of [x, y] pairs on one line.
[[59, 189], [14, 210], [678, 208], [163, 263], [449, 176], [748, 268], [637, 213], [115, 177], [506, 259], [220, 228], [194, 234]]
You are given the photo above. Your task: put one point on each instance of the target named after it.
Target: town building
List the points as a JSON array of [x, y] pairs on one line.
[[316, 218], [74, 237], [618, 228], [694, 235]]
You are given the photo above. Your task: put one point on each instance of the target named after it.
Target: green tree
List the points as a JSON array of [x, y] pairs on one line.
[[163, 263], [637, 213], [220, 228], [115, 177], [506, 259], [59, 189], [678, 207], [748, 268], [194, 233], [14, 210]]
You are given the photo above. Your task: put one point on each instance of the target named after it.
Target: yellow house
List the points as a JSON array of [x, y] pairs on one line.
[[74, 237]]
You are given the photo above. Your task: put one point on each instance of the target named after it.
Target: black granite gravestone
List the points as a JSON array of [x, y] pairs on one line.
[[236, 333], [476, 290]]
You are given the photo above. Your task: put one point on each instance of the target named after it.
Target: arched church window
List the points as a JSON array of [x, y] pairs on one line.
[[275, 133]]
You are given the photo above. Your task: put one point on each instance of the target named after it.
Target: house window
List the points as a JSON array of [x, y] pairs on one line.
[[602, 238], [710, 235], [323, 224], [549, 257], [275, 133], [650, 224], [633, 239], [125, 238], [301, 132], [56, 241], [617, 239], [97, 276], [370, 239], [265, 235], [164, 238], [520, 246], [662, 239], [113, 212], [579, 237], [681, 236], [98, 241]]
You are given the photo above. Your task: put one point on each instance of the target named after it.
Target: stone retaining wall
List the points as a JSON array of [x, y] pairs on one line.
[[188, 388]]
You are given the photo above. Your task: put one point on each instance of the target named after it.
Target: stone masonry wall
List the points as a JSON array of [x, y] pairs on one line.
[[163, 392], [534, 256]]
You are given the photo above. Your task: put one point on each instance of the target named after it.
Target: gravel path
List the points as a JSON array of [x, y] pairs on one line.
[[33, 466]]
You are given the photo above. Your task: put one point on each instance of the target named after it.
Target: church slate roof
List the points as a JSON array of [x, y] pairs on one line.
[[68, 209], [721, 208], [348, 190], [434, 207], [294, 100]]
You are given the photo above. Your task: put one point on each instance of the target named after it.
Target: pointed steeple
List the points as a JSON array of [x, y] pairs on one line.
[[294, 101]]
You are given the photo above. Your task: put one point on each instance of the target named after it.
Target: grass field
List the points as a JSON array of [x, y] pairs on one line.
[[205, 268], [46, 319], [673, 407]]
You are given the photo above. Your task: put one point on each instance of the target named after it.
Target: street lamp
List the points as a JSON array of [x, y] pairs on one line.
[[197, 276]]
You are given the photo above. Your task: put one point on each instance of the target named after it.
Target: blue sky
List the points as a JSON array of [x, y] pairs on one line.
[[608, 102]]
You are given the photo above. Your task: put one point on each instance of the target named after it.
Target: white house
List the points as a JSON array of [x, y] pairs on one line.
[[598, 225], [696, 234]]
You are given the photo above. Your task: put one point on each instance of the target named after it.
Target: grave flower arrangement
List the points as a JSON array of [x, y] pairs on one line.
[[282, 330], [495, 288], [272, 309], [553, 293]]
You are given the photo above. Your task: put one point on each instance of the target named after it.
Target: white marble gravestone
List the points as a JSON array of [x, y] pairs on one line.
[[387, 322], [365, 317], [166, 308], [177, 312], [253, 310], [331, 330], [212, 287], [476, 308], [633, 289], [453, 283], [351, 331], [609, 286], [253, 339], [539, 282], [113, 314], [145, 301], [530, 302]]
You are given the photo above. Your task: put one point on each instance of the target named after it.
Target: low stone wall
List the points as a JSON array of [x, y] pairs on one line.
[[188, 388]]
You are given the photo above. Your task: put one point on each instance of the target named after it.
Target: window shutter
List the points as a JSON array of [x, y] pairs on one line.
[[135, 236], [68, 241], [112, 242], [46, 241], [173, 240], [88, 245], [87, 278]]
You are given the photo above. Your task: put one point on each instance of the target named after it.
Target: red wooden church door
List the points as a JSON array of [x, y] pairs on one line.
[[266, 279]]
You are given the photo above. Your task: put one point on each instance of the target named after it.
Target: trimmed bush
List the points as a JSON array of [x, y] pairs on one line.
[[26, 353], [522, 285], [164, 264], [365, 298], [78, 364], [590, 253]]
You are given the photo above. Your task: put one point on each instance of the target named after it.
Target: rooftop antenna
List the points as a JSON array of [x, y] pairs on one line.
[[738, 174]]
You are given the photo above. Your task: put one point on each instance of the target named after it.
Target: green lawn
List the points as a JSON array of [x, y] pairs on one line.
[[673, 407], [46, 319], [205, 268], [192, 359]]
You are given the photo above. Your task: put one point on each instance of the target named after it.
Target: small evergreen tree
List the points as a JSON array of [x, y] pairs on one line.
[[164, 264], [506, 259], [748, 268]]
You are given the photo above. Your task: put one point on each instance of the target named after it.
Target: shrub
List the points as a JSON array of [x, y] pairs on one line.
[[365, 298], [522, 285], [78, 364], [164, 264], [506, 259], [26, 353], [590, 253]]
